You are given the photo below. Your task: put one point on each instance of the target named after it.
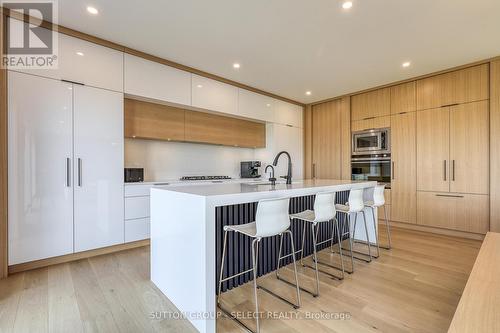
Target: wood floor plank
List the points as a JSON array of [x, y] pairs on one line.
[[95, 312], [415, 287], [11, 290], [32, 313], [64, 315]]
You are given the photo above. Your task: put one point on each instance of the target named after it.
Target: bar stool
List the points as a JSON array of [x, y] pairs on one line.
[[324, 212], [379, 201], [271, 219], [355, 205]]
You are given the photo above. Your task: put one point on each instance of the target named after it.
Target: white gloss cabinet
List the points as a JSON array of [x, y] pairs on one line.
[[65, 168], [288, 114], [144, 78], [255, 106], [84, 62], [40, 154], [214, 95], [98, 176]]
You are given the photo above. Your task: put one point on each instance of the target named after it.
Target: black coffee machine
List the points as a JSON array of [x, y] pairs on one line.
[[250, 169]]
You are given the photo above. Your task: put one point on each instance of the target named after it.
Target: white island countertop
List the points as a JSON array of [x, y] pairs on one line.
[[183, 235], [238, 192]]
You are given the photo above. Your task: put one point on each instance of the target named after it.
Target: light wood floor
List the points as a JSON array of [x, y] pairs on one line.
[[413, 288]]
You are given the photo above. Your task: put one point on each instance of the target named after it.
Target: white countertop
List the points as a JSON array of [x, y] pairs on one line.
[[241, 188]]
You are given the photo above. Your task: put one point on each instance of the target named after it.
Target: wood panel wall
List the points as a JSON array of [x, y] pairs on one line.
[[495, 146], [345, 137], [3, 159], [308, 142]]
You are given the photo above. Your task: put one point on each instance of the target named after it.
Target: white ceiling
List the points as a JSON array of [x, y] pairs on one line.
[[290, 46]]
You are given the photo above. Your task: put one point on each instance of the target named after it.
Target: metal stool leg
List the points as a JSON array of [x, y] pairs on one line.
[[388, 230], [255, 245], [315, 256], [336, 224], [376, 232], [367, 239], [350, 241], [222, 266], [299, 303]]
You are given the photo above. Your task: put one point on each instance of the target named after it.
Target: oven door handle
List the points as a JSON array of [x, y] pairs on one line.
[[358, 161]]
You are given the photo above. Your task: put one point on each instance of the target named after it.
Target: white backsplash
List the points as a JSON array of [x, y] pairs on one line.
[[164, 160]]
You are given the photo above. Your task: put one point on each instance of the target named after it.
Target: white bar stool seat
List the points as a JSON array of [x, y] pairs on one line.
[[271, 219], [379, 202], [324, 212], [355, 206]]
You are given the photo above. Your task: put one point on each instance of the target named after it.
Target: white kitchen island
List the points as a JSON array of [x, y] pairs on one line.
[[184, 229]]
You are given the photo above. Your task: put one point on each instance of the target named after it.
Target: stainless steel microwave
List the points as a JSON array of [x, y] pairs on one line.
[[375, 141]]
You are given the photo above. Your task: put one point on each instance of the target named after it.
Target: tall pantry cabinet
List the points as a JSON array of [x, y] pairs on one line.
[[65, 167]]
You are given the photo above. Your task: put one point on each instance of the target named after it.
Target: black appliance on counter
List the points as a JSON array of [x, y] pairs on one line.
[[250, 169], [134, 175]]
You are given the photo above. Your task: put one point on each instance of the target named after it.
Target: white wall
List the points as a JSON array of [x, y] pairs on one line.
[[164, 160]]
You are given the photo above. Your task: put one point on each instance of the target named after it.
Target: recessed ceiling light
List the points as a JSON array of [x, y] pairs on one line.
[[347, 5], [92, 10], [236, 65], [199, 86], [406, 64], [308, 93], [268, 105], [80, 53]]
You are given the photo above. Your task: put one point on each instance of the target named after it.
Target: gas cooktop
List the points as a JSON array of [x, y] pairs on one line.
[[205, 177]]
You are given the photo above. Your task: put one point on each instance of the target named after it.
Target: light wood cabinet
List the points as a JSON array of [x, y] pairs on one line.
[[404, 173], [458, 87], [495, 147], [378, 122], [403, 98], [331, 145], [153, 121], [371, 104], [452, 149], [464, 212], [433, 150], [215, 129], [469, 137], [161, 122]]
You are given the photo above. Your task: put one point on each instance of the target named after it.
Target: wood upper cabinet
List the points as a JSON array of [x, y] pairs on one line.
[[326, 140], [404, 173], [161, 122], [371, 104], [215, 129], [378, 122], [469, 148], [463, 212], [153, 121], [458, 87], [403, 98], [433, 150]]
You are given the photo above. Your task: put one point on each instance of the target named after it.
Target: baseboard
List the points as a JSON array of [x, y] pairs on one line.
[[75, 256], [434, 230]]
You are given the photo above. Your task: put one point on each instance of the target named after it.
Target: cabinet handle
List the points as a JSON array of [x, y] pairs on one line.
[[68, 172], [449, 196], [393, 170], [448, 105], [453, 170], [314, 170], [80, 172], [444, 170]]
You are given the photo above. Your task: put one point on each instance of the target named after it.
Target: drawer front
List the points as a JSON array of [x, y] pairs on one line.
[[137, 229], [137, 190], [462, 212], [136, 208]]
